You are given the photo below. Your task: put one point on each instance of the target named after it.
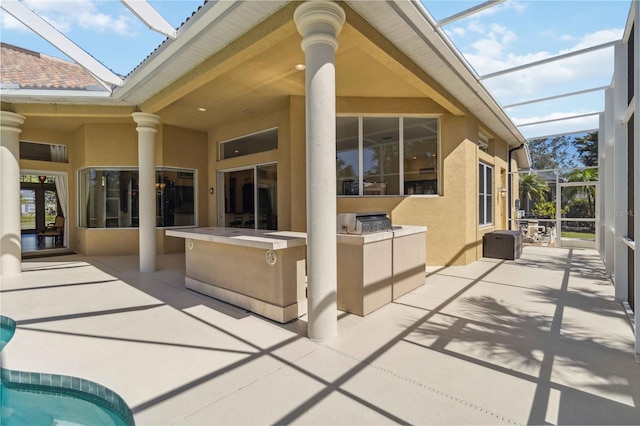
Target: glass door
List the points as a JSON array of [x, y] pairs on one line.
[[578, 209], [39, 207], [249, 197], [28, 210]]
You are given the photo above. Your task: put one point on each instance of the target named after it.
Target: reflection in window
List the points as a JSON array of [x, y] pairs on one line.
[[347, 155], [420, 155], [380, 155], [390, 156], [109, 198]]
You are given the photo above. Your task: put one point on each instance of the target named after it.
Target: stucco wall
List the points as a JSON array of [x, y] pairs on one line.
[[184, 148], [281, 156], [116, 145], [453, 236]]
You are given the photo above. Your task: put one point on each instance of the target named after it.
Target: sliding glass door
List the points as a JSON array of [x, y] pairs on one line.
[[249, 197]]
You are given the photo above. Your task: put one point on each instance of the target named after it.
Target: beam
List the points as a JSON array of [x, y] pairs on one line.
[[551, 59], [60, 41], [563, 95], [570, 117], [468, 12], [147, 14], [562, 134]]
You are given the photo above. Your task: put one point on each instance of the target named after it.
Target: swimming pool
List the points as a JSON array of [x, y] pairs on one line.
[[45, 399]]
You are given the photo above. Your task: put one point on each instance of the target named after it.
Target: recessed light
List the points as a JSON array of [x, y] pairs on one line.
[[248, 111], [415, 158], [236, 152], [202, 109], [300, 67]]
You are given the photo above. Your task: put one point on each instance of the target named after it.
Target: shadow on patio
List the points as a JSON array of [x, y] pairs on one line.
[[537, 340]]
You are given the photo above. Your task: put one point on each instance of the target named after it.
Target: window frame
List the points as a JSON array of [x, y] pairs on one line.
[[158, 169], [482, 192], [401, 142], [221, 144]]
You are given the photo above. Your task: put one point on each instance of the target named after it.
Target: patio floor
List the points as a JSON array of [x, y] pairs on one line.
[[539, 340]]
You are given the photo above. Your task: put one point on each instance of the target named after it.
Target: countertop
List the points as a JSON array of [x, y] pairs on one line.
[[278, 240], [256, 238]]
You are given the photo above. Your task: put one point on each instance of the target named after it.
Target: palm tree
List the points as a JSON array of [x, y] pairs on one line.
[[587, 192], [531, 187]]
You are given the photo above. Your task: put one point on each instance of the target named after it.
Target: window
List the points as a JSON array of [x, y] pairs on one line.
[[250, 144], [109, 198], [387, 155], [175, 197], [483, 142], [43, 152], [485, 184]]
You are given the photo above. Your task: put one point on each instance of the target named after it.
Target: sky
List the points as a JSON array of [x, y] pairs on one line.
[[512, 33]]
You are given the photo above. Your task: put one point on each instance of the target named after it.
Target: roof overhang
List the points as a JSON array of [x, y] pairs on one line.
[[215, 25]]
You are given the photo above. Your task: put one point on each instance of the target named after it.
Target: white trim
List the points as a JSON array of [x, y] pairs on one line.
[[549, 98], [147, 14], [551, 59], [619, 187], [56, 93], [629, 24], [569, 117], [562, 134], [629, 243], [468, 12], [630, 110], [401, 155]]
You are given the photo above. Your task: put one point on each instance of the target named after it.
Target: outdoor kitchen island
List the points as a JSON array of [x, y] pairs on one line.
[[264, 271], [258, 270]]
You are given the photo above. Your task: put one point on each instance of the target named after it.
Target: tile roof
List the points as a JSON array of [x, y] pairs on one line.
[[26, 69]]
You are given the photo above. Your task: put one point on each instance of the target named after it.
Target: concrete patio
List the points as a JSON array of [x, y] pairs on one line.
[[539, 340]]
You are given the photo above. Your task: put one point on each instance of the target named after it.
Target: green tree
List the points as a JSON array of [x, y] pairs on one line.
[[551, 153], [587, 148], [544, 209], [586, 192], [532, 187]]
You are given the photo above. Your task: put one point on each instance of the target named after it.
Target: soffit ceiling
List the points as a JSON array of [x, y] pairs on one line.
[[261, 82], [264, 83]]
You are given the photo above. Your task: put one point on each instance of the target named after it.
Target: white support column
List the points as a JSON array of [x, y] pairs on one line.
[[606, 190], [601, 234], [10, 247], [620, 173], [147, 188], [319, 22], [636, 174]]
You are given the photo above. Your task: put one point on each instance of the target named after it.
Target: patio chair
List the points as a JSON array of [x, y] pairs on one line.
[[55, 230]]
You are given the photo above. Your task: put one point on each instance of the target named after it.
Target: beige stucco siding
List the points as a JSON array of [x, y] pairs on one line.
[[281, 156]]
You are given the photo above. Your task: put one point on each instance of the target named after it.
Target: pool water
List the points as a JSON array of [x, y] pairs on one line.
[[6, 333], [21, 407], [54, 399]]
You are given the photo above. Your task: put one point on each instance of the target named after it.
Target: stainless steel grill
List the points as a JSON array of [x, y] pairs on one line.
[[363, 223]]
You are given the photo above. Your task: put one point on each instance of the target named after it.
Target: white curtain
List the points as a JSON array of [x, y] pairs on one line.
[[59, 153], [63, 198]]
